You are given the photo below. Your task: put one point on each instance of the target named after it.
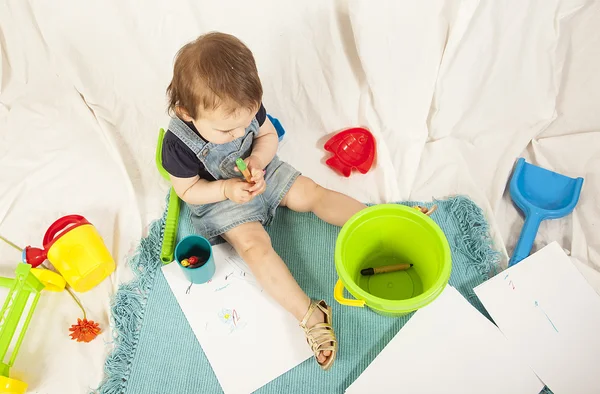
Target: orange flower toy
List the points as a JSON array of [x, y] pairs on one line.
[[85, 330]]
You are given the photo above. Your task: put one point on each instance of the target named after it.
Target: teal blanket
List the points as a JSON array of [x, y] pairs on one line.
[[147, 359]]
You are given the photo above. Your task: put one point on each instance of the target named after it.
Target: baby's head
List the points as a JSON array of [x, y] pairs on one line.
[[215, 85]]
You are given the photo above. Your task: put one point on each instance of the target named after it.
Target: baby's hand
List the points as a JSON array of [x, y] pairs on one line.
[[258, 177], [253, 163], [237, 190]]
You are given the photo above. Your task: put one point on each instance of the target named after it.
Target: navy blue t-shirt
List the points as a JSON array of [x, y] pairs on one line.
[[181, 162]]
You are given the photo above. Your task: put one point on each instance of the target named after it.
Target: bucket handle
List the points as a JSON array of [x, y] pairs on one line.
[[338, 294], [60, 225]]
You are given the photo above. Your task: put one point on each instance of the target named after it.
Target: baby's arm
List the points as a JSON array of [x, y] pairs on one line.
[[265, 144], [199, 191]]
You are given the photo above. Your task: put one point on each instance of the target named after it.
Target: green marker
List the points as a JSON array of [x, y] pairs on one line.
[[244, 170]]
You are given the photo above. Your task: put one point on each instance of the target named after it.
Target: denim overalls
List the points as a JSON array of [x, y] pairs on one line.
[[211, 220]]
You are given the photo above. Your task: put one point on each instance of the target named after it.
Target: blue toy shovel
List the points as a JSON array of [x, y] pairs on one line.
[[541, 194], [278, 127]]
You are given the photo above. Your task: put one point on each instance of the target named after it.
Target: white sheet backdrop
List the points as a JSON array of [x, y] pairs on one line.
[[454, 92]]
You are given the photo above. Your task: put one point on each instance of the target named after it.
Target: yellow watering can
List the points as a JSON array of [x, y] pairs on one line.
[[76, 250]]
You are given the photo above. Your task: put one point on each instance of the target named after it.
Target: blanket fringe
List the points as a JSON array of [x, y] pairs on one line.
[[475, 242], [127, 311]]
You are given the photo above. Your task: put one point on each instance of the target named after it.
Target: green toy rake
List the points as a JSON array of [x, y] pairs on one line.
[[21, 288]]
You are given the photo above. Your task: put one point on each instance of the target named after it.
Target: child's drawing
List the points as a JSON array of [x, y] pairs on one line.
[[222, 287], [545, 314], [232, 319], [239, 270]]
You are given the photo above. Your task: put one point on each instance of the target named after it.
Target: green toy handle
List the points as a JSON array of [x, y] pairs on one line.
[[170, 233], [167, 250]]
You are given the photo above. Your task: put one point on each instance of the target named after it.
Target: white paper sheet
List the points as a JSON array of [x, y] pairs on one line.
[[248, 339], [447, 347], [551, 316]]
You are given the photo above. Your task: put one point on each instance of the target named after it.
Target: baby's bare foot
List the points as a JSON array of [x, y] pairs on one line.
[[319, 317]]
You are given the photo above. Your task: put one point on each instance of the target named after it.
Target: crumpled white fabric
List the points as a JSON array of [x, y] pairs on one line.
[[454, 92]]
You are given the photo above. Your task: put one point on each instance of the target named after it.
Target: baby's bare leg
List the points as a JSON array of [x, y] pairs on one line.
[[333, 207], [253, 244]]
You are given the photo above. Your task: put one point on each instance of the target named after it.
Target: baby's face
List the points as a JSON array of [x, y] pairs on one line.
[[219, 127]]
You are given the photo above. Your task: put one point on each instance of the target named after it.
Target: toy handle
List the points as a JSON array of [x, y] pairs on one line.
[[62, 224], [167, 250], [525, 242], [338, 294]]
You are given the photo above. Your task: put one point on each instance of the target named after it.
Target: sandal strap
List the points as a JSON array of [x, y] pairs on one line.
[[323, 328], [321, 337], [321, 342], [321, 345], [308, 314], [323, 307]]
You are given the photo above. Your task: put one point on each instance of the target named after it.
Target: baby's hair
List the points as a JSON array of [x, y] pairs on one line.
[[213, 70]]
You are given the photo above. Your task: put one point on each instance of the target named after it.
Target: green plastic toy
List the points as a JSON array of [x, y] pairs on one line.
[[21, 288], [172, 220]]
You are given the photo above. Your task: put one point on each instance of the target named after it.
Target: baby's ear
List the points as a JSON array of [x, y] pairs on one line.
[[183, 113]]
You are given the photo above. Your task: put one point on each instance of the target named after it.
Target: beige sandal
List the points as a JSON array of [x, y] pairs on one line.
[[321, 336], [425, 210]]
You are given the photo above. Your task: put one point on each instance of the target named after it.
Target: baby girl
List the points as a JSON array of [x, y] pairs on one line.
[[215, 97]]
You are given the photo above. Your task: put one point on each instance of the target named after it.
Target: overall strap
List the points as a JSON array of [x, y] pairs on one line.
[[186, 135]]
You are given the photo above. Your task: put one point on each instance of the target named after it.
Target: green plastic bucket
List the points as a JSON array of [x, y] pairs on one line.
[[389, 234]]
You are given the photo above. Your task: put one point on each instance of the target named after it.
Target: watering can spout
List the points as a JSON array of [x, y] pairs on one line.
[[34, 256]]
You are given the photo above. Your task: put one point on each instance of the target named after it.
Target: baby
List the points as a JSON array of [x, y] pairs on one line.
[[216, 97]]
